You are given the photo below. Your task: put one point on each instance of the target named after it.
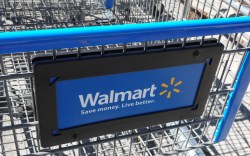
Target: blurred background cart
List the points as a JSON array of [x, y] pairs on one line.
[[19, 131]]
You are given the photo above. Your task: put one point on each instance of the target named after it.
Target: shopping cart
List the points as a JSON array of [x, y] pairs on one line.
[[19, 123]]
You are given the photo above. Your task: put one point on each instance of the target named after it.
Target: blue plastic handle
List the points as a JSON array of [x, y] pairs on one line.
[[234, 101], [109, 4], [23, 41]]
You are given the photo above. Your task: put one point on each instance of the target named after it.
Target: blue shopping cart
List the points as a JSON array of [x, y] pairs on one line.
[[42, 39]]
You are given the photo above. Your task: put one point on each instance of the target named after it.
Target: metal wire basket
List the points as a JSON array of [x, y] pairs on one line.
[[19, 131]]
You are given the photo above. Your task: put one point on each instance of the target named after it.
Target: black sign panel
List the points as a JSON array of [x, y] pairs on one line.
[[98, 93]]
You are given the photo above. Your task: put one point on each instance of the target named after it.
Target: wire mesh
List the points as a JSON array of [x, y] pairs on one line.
[[19, 131]]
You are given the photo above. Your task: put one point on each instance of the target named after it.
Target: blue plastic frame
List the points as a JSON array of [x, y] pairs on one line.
[[23, 41], [13, 42], [234, 100], [109, 4]]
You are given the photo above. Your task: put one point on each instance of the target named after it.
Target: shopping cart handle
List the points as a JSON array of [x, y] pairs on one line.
[[34, 40], [109, 4]]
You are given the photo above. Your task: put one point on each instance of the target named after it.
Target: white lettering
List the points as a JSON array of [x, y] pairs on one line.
[[137, 94], [123, 95], [89, 98], [113, 96], [153, 88], [103, 99]]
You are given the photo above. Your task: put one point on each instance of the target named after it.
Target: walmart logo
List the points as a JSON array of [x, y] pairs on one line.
[[172, 88], [121, 96]]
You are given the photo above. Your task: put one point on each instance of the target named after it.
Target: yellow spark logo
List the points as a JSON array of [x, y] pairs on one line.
[[164, 85]]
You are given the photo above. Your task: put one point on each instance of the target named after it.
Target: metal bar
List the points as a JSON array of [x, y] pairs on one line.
[[224, 91], [25, 125], [234, 101], [44, 152], [235, 50], [188, 148], [16, 76], [11, 42], [236, 5], [10, 110], [188, 142]]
